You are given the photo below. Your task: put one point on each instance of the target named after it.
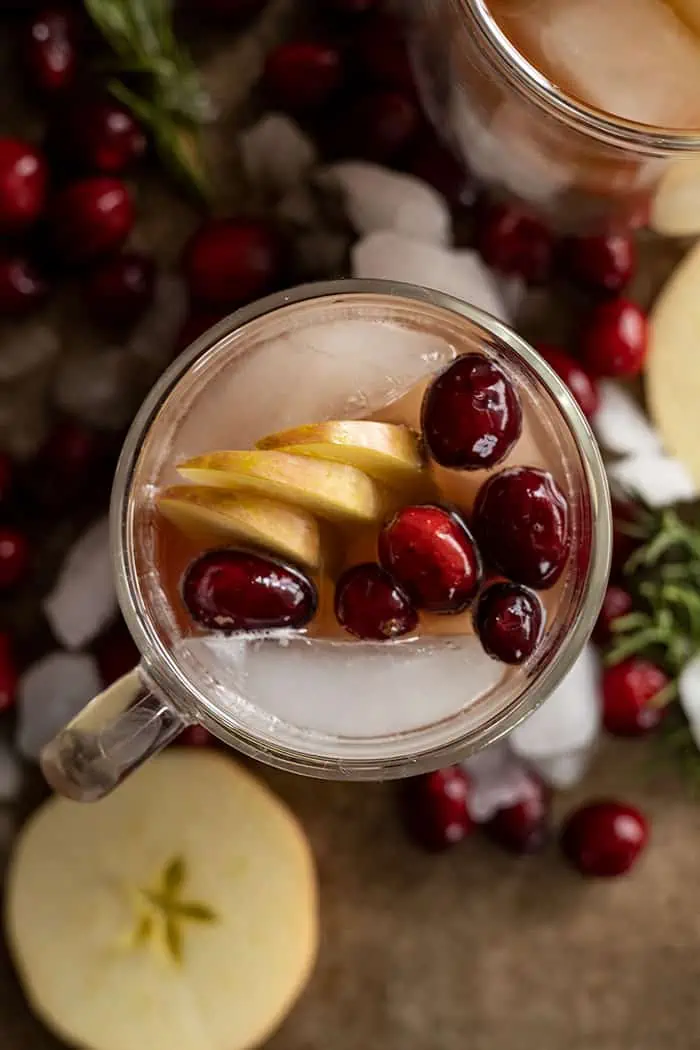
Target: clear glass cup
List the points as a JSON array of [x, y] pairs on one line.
[[579, 168], [144, 711]]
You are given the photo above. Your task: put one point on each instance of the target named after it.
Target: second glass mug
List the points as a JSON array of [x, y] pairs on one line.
[[145, 710], [581, 169]]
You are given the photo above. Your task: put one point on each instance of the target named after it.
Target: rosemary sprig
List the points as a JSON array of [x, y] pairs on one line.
[[164, 89]]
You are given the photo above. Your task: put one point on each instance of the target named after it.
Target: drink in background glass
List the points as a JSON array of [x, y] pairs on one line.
[[309, 695], [587, 110]]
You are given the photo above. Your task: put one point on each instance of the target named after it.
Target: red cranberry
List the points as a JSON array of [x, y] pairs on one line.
[[629, 691], [603, 263], [370, 605], [120, 290], [8, 672], [66, 462], [303, 74], [22, 287], [434, 808], [616, 603], [615, 340], [230, 590], [91, 218], [521, 520], [23, 181], [432, 556], [525, 826], [509, 620], [625, 514], [471, 415], [51, 52], [100, 135], [437, 165], [116, 653], [195, 736], [581, 385], [514, 243], [383, 54], [378, 126], [231, 261], [604, 839], [14, 557]]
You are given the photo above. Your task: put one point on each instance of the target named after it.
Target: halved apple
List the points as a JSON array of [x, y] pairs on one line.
[[213, 514], [387, 452], [179, 913], [672, 379], [330, 490]]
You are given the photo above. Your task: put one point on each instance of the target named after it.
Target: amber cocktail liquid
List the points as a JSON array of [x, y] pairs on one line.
[[360, 518]]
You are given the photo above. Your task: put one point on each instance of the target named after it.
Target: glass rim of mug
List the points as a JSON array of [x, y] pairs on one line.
[[646, 139], [160, 665]]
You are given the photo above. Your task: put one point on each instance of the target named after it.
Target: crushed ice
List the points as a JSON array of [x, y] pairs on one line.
[[52, 692], [83, 599]]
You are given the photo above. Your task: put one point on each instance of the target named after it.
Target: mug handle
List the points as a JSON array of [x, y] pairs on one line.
[[109, 738]]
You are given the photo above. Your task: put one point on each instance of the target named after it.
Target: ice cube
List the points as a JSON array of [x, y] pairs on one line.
[[460, 273], [620, 424], [336, 370], [632, 58], [562, 771], [11, 773], [498, 780], [689, 690], [380, 199], [659, 480], [96, 387], [346, 689], [51, 692], [152, 341], [568, 720], [83, 600], [277, 154], [26, 346]]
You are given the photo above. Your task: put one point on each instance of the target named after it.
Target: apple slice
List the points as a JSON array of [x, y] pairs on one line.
[[675, 208], [672, 375], [387, 452], [330, 490], [179, 913], [215, 515]]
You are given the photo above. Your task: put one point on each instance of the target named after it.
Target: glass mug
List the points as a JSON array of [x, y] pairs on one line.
[[580, 168], [146, 709]]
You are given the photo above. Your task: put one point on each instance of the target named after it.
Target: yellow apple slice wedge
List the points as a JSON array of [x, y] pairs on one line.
[[672, 374], [675, 208], [387, 452], [179, 913], [329, 490], [216, 515]]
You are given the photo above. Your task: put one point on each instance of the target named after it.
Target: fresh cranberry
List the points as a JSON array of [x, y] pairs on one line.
[[616, 338], [378, 127], [91, 217], [116, 653], [52, 48], [434, 808], [120, 290], [514, 243], [523, 827], [303, 74], [99, 135], [581, 385], [435, 164], [629, 691], [625, 513], [509, 620], [8, 672], [383, 55], [231, 590], [22, 287], [370, 605], [432, 556], [471, 414], [66, 462], [521, 520], [228, 262], [603, 263], [195, 736], [14, 557], [23, 182], [616, 603], [604, 839]]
